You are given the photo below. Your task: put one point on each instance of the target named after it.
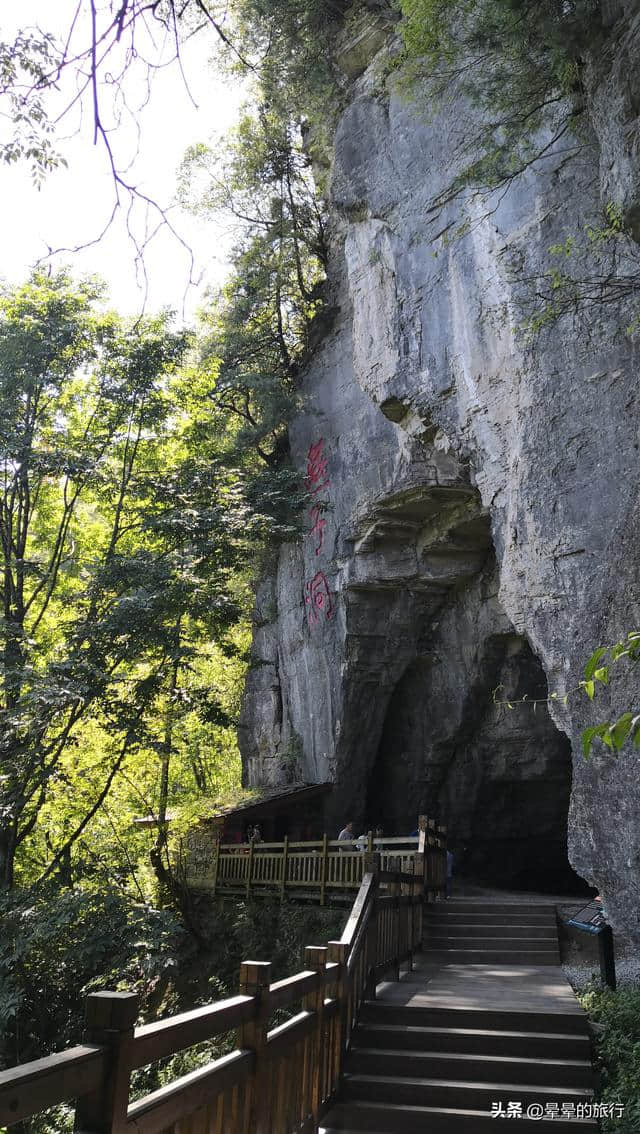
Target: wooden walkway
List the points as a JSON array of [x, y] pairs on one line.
[[425, 1018], [513, 988], [324, 871], [454, 1040]]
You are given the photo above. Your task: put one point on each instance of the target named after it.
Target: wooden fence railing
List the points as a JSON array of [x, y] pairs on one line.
[[278, 1080], [318, 870]]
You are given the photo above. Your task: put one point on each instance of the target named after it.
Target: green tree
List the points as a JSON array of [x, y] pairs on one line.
[[117, 545], [256, 331]]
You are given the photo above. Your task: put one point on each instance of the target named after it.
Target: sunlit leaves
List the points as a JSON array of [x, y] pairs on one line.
[[27, 69], [119, 519]]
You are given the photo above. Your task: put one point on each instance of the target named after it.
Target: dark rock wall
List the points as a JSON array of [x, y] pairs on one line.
[[451, 747]]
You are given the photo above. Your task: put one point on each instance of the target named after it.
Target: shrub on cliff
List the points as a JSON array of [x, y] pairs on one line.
[[517, 63]]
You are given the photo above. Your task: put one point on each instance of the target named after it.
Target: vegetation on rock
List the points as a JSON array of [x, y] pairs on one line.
[[516, 64], [617, 1019]]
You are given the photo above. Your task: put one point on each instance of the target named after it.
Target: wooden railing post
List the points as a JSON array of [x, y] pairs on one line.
[[372, 866], [285, 856], [249, 867], [255, 979], [324, 868], [396, 891], [417, 907], [216, 861], [315, 957], [109, 1021], [339, 954]]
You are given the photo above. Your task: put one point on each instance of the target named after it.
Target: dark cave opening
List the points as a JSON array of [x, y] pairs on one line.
[[498, 777]]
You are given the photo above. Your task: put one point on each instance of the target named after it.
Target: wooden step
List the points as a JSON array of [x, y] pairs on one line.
[[473, 906], [389, 1118], [450, 1092], [567, 1023], [441, 913], [493, 956], [443, 927], [459, 941], [554, 1045], [484, 1068]]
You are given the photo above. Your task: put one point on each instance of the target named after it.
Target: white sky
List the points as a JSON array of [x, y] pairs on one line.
[[74, 204]]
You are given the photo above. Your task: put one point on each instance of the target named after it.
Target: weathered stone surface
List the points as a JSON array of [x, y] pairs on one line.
[[476, 482]]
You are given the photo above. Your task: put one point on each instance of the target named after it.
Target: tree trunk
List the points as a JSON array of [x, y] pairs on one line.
[[7, 855], [159, 854]]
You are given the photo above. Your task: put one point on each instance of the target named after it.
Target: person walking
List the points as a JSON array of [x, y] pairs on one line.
[[346, 834]]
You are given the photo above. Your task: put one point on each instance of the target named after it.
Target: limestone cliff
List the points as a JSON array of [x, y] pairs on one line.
[[475, 506]]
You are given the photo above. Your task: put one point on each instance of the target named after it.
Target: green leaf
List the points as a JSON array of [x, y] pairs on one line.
[[589, 688], [588, 737], [621, 729], [602, 674], [618, 651], [591, 665]]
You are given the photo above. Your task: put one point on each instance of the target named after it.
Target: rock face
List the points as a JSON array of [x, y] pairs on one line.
[[474, 515]]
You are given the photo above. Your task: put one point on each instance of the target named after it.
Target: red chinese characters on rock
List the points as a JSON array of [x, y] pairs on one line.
[[317, 597], [317, 468], [319, 524]]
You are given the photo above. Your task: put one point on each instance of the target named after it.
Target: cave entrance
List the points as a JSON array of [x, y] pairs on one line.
[[499, 778]]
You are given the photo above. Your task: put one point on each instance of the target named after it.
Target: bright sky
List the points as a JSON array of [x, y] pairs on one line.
[[74, 204]]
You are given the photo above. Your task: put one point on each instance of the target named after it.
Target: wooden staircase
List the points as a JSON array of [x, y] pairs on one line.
[[424, 1061], [512, 933]]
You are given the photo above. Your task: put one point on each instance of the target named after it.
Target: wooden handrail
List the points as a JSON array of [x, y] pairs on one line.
[[166, 1037], [35, 1086], [317, 844], [358, 909], [159, 1111], [280, 1038], [287, 991], [277, 1081]]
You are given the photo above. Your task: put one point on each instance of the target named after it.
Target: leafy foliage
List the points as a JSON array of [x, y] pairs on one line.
[[27, 70], [589, 273], [613, 734], [56, 948], [517, 65], [256, 332], [123, 537], [618, 1047]]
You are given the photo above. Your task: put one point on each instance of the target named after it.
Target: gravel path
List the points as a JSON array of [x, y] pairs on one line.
[[579, 973]]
